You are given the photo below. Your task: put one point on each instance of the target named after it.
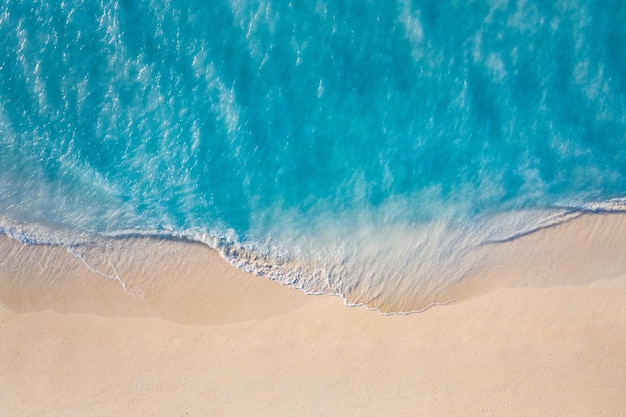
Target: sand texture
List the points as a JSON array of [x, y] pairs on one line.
[[75, 343]]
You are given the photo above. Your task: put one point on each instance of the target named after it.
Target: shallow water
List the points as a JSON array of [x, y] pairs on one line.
[[341, 147]]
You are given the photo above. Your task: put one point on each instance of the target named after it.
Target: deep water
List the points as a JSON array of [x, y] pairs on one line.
[[352, 147]]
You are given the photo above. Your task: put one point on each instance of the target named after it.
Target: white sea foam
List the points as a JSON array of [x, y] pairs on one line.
[[400, 268]]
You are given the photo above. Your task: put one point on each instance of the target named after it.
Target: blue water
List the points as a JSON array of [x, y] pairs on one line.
[[348, 147]]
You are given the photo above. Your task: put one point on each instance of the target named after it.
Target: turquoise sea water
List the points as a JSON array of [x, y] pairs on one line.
[[351, 147]]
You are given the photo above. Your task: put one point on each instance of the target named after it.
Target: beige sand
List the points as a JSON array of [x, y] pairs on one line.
[[75, 344]]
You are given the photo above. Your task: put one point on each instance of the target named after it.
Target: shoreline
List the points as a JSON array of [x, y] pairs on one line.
[[139, 275], [229, 343]]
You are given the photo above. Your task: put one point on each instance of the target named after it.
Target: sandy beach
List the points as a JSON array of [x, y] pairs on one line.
[[536, 336], [314, 208]]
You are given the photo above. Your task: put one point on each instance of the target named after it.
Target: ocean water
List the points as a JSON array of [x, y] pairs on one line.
[[357, 148]]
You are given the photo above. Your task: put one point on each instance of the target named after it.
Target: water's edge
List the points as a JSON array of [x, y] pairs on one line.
[[578, 230]]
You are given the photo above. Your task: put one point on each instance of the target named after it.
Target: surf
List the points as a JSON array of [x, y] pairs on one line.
[[371, 153]]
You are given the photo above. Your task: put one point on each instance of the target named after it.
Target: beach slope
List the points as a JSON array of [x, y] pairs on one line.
[[245, 346]]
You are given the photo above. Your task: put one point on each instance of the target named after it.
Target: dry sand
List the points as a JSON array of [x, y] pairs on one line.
[[548, 340]]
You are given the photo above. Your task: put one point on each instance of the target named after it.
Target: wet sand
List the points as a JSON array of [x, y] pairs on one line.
[[541, 333]]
